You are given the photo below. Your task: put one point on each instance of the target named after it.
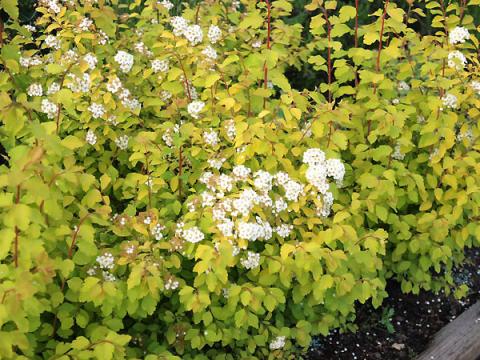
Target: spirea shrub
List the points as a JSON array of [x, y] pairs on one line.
[[166, 193]]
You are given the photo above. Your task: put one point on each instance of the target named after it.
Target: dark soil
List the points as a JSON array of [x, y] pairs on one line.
[[409, 321]]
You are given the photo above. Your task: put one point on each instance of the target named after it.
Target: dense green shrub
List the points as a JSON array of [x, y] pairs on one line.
[[169, 195]]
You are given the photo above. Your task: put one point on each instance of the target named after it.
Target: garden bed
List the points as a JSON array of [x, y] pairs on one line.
[[414, 320]]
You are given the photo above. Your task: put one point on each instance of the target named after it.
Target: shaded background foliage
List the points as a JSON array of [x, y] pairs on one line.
[[305, 77]]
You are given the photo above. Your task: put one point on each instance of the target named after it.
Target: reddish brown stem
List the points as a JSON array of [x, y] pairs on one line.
[[148, 184], [329, 133], [356, 39], [75, 234], [17, 231], [180, 169], [462, 9], [380, 43], [329, 54], [265, 66]]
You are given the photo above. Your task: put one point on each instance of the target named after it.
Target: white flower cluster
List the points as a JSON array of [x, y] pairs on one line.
[[30, 28], [171, 284], [216, 163], [252, 260], [70, 57], [214, 34], [91, 60], [166, 4], [194, 108], [168, 135], [450, 101], [30, 61], [189, 88], [211, 137], [84, 25], [53, 88], [49, 108], [114, 85], [397, 153], [35, 89], [284, 230], [318, 170], [157, 232], [475, 86], [91, 138], [403, 86], [141, 48], [193, 33], [106, 261], [456, 60], [257, 44], [192, 235], [467, 135], [97, 110], [278, 343], [78, 84], [210, 53], [252, 231], [108, 276], [122, 142], [235, 198], [458, 35], [160, 65], [230, 129], [124, 60], [165, 95], [52, 41], [130, 249], [51, 5], [102, 37]]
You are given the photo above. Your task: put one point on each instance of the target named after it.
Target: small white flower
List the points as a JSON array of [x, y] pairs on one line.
[[214, 33], [456, 60], [166, 4], [194, 108], [450, 101], [122, 142], [458, 35], [252, 260], [403, 86], [53, 88], [49, 108], [475, 86], [91, 138], [397, 154], [114, 85], [91, 60], [210, 53], [193, 34], [108, 277], [159, 65], [52, 42], [84, 25], [257, 44], [165, 95], [211, 137], [278, 343], [193, 235], [97, 110], [106, 261], [124, 60], [157, 232], [179, 25], [35, 90], [30, 28]]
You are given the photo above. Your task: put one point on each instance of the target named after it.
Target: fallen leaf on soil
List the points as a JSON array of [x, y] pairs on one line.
[[398, 346]]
